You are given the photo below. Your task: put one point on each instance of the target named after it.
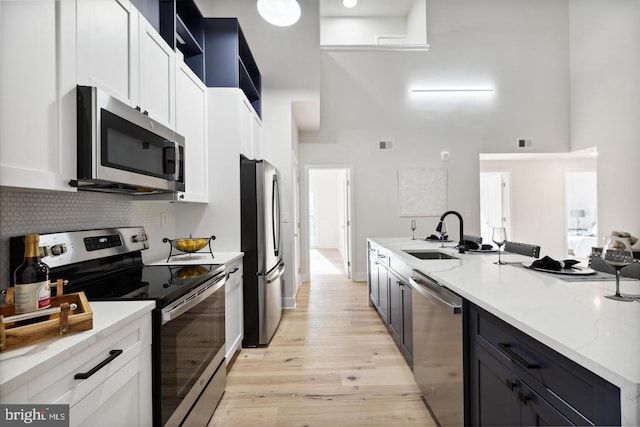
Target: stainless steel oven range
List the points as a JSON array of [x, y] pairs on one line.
[[188, 347]]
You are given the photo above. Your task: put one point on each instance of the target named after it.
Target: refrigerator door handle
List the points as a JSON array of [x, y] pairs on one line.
[[275, 215], [278, 273]]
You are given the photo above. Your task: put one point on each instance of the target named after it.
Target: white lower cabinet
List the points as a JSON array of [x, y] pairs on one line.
[[121, 400], [115, 394], [234, 325]]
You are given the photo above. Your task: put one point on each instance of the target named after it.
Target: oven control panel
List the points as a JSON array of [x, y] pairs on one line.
[[60, 249], [95, 243]]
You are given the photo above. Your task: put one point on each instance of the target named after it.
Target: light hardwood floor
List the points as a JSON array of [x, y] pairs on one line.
[[331, 363]]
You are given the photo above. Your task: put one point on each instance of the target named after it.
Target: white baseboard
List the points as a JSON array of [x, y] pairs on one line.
[[289, 303], [360, 277], [231, 350]]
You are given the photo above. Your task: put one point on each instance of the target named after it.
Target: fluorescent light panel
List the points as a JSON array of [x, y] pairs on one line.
[[451, 90]]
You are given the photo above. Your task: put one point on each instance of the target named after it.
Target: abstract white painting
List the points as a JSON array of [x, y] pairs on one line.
[[422, 191]]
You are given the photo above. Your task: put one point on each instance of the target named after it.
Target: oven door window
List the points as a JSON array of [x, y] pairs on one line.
[[127, 146], [188, 344]]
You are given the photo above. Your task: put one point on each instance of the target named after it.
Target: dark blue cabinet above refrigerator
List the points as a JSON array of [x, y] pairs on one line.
[[214, 48], [228, 60], [182, 27]]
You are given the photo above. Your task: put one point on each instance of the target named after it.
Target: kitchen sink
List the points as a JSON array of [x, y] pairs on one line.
[[430, 255]]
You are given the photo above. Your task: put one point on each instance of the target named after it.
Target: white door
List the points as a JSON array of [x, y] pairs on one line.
[[296, 226], [347, 223], [494, 203]]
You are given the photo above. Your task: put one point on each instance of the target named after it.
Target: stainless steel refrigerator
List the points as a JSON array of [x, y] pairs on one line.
[[261, 244]]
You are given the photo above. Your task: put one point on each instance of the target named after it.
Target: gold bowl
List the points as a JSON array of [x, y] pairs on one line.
[[190, 244]]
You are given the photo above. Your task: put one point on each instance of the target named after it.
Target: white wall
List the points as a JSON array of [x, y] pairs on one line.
[[518, 47], [416, 23], [360, 30], [538, 200], [605, 103]]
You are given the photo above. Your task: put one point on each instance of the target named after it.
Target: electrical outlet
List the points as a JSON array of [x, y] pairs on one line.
[[525, 143], [385, 145], [164, 219]]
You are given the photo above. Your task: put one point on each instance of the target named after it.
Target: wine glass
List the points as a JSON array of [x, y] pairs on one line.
[[413, 229], [443, 233], [499, 237], [618, 254]]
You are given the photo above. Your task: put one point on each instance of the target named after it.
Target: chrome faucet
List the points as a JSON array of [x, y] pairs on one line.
[[461, 246]]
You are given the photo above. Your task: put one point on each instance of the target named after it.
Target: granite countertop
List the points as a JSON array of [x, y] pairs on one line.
[[573, 318], [21, 365]]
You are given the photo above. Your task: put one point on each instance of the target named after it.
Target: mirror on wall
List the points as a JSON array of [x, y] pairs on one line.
[[373, 24]]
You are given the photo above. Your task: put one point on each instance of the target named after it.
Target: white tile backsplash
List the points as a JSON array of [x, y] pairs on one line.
[[24, 212]]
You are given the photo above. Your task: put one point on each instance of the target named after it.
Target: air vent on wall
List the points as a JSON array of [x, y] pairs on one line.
[[525, 143], [385, 145]]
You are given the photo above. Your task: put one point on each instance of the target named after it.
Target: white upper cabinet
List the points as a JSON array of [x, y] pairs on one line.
[[108, 47], [37, 94], [156, 75], [120, 52], [249, 128], [191, 122], [256, 136]]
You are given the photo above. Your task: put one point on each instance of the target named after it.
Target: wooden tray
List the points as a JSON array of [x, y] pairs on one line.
[[13, 335]]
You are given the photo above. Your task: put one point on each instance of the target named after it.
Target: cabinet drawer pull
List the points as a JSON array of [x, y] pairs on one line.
[[112, 355], [234, 270], [506, 349], [511, 384], [524, 399]]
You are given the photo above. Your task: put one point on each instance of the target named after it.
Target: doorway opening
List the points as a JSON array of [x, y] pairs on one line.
[[581, 212], [494, 203], [329, 196]]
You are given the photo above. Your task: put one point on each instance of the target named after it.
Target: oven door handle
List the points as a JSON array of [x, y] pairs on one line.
[[190, 300]]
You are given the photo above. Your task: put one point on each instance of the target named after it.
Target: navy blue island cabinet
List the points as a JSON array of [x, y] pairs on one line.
[[512, 379]]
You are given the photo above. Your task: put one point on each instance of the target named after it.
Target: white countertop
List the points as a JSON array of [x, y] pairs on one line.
[[23, 364], [573, 318], [198, 258]]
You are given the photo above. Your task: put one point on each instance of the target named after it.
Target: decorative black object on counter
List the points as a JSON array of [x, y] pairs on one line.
[[189, 245]]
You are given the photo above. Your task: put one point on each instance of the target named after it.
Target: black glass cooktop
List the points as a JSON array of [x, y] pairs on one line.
[[130, 280]]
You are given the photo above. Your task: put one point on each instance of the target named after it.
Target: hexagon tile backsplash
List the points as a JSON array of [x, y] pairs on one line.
[[24, 212]]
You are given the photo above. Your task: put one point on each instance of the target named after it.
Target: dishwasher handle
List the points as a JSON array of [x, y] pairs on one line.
[[437, 293]]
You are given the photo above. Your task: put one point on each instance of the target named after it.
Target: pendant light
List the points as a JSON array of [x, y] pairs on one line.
[[349, 3], [281, 13]]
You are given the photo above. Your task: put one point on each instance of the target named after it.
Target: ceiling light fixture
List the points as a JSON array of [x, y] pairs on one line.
[[349, 3], [281, 13], [451, 90]]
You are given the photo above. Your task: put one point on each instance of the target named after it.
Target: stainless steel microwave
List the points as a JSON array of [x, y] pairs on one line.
[[122, 150]]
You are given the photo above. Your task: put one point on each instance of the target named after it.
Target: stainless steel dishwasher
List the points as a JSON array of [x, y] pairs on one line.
[[437, 348]]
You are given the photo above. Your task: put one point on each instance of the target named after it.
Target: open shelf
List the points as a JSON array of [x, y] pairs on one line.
[[185, 41], [228, 60], [182, 27]]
